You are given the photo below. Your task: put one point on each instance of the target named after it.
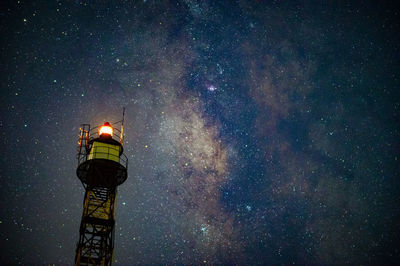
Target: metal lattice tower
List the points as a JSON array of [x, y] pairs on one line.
[[102, 166]]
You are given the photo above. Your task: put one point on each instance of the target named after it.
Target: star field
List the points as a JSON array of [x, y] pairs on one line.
[[257, 132]]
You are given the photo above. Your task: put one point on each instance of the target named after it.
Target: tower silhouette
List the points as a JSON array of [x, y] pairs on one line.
[[102, 166]]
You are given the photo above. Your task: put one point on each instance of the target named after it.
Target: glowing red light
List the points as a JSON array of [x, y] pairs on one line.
[[106, 129]]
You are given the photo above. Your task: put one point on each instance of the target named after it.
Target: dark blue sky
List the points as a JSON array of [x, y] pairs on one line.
[[256, 131]]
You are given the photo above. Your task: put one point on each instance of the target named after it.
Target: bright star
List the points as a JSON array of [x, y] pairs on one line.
[[211, 88], [204, 229]]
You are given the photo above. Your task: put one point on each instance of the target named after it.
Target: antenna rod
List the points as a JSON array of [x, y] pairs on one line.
[[122, 126], [123, 115]]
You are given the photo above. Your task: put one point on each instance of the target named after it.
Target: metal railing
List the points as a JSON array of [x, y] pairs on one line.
[[103, 152], [94, 134]]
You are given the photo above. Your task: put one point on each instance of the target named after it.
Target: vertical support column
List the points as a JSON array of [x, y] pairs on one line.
[[96, 234]]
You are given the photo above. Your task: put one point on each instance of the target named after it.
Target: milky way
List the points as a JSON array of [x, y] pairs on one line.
[[256, 132]]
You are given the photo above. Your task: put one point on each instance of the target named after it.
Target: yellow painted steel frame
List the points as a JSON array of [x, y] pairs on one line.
[[95, 246], [101, 150]]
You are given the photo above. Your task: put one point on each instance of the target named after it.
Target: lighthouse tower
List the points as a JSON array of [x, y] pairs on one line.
[[102, 166]]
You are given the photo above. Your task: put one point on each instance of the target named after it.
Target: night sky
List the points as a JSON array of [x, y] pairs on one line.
[[256, 131]]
